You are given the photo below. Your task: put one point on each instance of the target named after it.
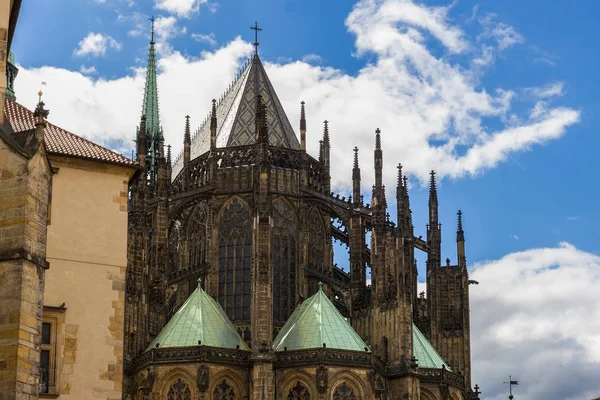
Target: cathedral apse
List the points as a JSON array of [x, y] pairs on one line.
[[232, 289]]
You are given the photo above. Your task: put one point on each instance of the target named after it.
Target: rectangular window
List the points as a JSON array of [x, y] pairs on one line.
[[52, 320]]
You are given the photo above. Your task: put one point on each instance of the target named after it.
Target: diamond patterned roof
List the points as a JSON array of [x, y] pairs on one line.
[[235, 115], [59, 141], [425, 353], [202, 319], [317, 321]]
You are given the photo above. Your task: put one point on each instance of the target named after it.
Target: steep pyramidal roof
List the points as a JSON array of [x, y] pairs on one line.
[[317, 321], [236, 111], [199, 320], [426, 355]]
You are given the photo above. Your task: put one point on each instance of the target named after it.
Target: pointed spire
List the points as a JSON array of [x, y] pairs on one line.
[[326, 133], [460, 234], [302, 127], [150, 103], [433, 201], [169, 156], [356, 179], [187, 137], [378, 154], [399, 184], [187, 142], [213, 125]]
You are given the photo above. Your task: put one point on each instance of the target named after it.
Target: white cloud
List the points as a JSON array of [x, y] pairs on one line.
[[165, 29], [96, 44], [205, 38], [91, 70], [516, 237], [312, 58], [416, 96], [573, 218], [182, 8], [548, 90], [505, 35], [529, 320]]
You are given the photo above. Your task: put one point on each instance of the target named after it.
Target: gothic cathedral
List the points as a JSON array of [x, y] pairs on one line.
[[231, 289]]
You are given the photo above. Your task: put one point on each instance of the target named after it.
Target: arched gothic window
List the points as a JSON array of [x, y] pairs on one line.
[[298, 392], [223, 391], [284, 261], [344, 392], [198, 245], [235, 260], [179, 391]]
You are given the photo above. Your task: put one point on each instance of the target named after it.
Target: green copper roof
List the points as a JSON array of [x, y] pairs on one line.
[[150, 104], [426, 355], [200, 319], [317, 321]]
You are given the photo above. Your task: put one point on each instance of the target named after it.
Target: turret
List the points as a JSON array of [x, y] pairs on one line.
[[142, 142], [378, 159], [356, 179]]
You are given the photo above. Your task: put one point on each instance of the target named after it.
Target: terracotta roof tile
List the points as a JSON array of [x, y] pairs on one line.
[[59, 141]]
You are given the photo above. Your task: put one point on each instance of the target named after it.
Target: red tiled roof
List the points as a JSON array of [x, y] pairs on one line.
[[59, 141]]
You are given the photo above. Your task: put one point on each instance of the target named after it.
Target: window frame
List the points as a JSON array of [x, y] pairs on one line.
[[55, 316]]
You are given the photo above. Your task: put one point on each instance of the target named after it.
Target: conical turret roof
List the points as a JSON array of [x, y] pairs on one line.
[[236, 111], [424, 352], [317, 321], [200, 320]]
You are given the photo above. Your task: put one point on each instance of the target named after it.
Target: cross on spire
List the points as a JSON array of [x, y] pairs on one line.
[[255, 28], [152, 19]]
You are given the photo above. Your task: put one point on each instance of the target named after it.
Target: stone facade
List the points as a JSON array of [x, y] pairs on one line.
[[25, 181], [254, 223], [88, 253]]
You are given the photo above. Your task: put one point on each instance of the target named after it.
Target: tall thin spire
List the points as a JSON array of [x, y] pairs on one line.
[[302, 127], [150, 109], [356, 179], [460, 234], [150, 104]]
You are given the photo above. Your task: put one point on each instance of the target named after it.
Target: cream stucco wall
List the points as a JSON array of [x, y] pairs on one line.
[[87, 252]]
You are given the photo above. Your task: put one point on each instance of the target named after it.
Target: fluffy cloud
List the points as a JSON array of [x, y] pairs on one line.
[[205, 38], [528, 320], [96, 44], [182, 8], [505, 35], [433, 112]]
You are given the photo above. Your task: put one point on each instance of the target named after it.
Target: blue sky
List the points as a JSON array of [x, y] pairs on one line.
[[486, 68]]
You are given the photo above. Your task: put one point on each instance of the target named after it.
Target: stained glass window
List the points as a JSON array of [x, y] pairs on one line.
[[179, 391], [223, 391], [316, 247], [284, 261], [344, 392], [298, 392], [197, 236], [235, 260]]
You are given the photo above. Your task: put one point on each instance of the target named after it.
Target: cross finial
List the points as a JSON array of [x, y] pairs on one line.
[[152, 19], [255, 28]]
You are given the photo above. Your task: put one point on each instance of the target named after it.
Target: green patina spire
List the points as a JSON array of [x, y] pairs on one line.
[[150, 107]]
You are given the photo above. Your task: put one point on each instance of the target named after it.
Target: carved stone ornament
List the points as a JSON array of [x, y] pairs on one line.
[[203, 378], [322, 379], [263, 272]]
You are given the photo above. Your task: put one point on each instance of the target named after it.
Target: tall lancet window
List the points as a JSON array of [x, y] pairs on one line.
[[197, 242], [235, 260], [316, 247], [175, 246], [284, 261]]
